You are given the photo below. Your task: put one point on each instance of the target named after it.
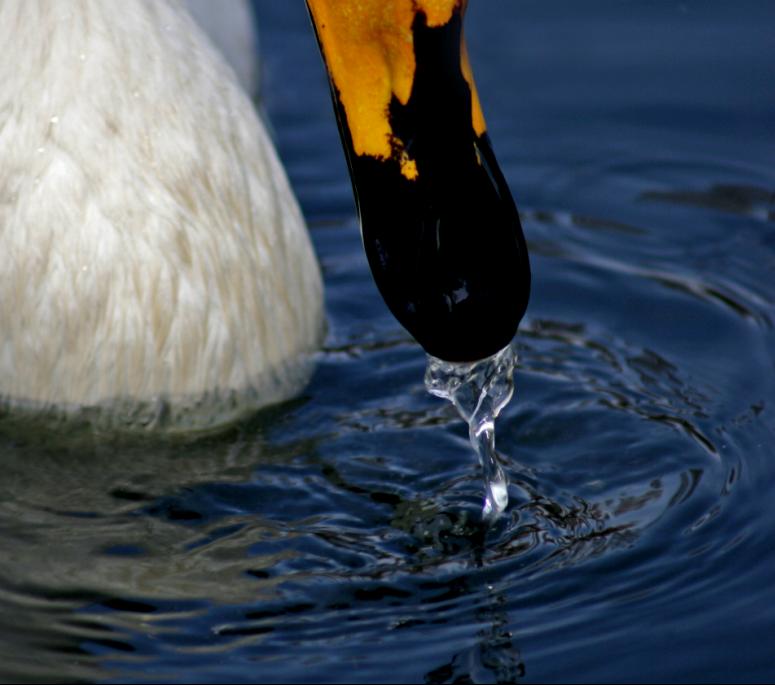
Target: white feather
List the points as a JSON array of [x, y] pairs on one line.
[[152, 254]]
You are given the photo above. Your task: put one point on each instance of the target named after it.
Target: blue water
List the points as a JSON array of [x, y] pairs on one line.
[[337, 537]]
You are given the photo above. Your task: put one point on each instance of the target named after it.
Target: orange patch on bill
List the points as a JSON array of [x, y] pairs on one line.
[[368, 47]]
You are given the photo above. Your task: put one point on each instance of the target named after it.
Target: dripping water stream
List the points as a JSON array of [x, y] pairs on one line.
[[479, 390]]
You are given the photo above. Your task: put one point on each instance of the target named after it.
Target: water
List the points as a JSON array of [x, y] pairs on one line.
[[479, 391], [338, 537]]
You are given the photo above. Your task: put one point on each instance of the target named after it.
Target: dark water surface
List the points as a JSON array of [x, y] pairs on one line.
[[336, 537]]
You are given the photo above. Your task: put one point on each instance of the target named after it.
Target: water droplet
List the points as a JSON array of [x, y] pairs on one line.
[[479, 391]]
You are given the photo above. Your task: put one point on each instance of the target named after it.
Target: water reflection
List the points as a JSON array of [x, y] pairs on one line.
[[151, 517], [386, 556], [493, 657]]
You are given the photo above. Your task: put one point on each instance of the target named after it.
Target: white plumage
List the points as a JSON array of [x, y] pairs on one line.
[[153, 260]]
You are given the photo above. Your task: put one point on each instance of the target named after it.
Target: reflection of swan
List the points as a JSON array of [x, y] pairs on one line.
[[152, 254]]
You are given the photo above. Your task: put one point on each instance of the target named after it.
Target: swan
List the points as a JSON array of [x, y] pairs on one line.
[[155, 266], [156, 269]]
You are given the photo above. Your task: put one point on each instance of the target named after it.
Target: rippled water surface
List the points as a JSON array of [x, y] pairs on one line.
[[337, 537]]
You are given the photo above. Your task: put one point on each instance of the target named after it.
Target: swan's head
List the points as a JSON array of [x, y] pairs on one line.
[[439, 226]]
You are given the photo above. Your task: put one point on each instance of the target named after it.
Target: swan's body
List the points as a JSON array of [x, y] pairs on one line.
[[151, 251]]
